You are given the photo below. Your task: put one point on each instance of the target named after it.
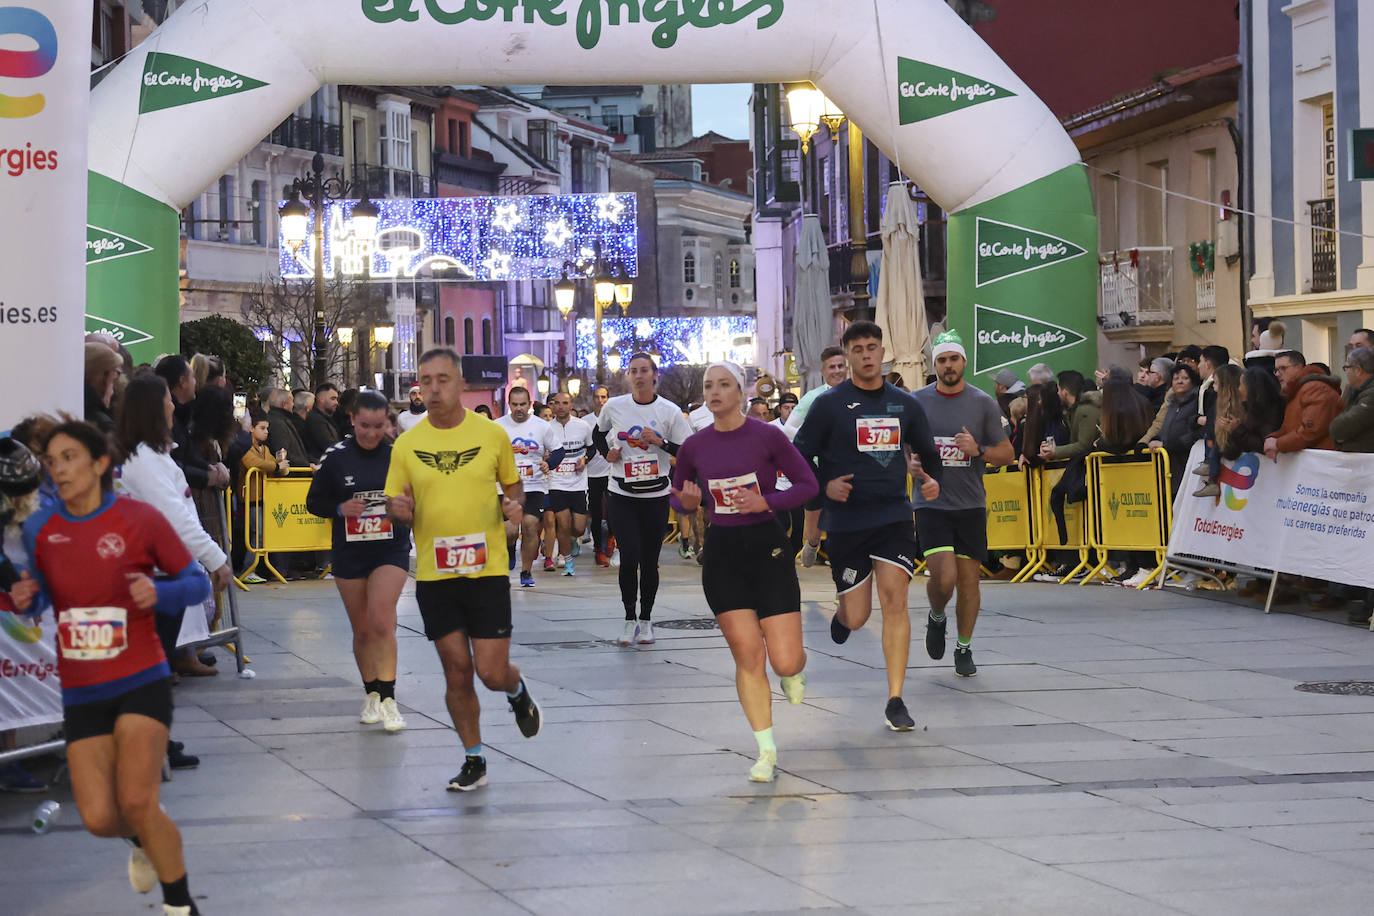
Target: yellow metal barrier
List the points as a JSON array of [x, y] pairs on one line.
[[1046, 530], [285, 525], [1128, 507], [1010, 523]]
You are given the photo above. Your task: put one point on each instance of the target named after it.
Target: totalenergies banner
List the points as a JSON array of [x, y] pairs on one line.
[[30, 693], [44, 91], [1310, 514], [184, 106]]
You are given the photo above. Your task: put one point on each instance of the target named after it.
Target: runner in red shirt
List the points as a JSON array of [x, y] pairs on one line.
[[93, 558]]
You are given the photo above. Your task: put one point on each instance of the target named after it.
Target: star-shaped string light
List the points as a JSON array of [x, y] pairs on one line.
[[609, 209], [557, 233], [507, 217], [497, 265]]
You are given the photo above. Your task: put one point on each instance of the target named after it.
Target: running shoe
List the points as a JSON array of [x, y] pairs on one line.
[[253, 579], [684, 550], [935, 636], [169, 910], [577, 549], [646, 633], [392, 720], [615, 557], [568, 569], [527, 715], [1140, 578], [473, 775], [762, 770], [178, 759], [898, 719], [602, 561], [963, 662], [511, 551], [526, 579], [142, 875], [838, 631], [548, 565], [794, 687], [1188, 581], [14, 778], [627, 635], [809, 554], [372, 709]]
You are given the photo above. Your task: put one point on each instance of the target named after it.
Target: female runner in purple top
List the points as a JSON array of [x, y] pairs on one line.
[[732, 467]]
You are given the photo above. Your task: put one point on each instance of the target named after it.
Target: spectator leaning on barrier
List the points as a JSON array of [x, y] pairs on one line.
[[1353, 429], [1314, 400], [1084, 409], [282, 432], [1178, 430]]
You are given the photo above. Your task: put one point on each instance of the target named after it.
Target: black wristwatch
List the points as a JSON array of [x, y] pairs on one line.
[[981, 450]]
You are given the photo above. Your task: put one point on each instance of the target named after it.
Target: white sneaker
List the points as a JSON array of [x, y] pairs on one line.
[[1139, 579], [762, 770], [392, 720], [794, 687], [646, 633], [169, 910], [627, 635], [809, 553], [559, 560], [372, 709], [615, 557], [142, 875], [1189, 581]]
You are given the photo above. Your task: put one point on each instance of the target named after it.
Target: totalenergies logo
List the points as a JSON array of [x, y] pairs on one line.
[[525, 447], [19, 628], [633, 437], [1241, 475], [28, 64]]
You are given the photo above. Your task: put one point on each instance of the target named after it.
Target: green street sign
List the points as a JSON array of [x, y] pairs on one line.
[[1007, 250], [927, 91], [107, 245], [1361, 156], [169, 81], [1002, 338]]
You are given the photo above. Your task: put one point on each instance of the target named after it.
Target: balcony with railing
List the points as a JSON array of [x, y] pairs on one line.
[[1205, 286], [1323, 245], [532, 319], [641, 126], [380, 181], [1136, 288], [309, 133]]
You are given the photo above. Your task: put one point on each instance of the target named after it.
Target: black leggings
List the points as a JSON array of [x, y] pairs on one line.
[[596, 498], [640, 524]]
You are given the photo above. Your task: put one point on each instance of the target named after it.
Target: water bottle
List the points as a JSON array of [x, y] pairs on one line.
[[44, 817]]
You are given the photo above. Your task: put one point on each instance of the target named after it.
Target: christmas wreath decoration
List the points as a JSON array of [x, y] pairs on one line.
[[1202, 257]]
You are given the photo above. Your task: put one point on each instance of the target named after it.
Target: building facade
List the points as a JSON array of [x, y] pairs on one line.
[[1311, 84]]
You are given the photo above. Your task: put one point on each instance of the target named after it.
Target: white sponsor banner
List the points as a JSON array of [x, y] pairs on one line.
[[44, 95], [30, 693], [1311, 514]]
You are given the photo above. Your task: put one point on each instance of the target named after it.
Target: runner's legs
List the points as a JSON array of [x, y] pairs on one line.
[[745, 638], [371, 607], [640, 525], [140, 745], [570, 528], [455, 654], [969, 600], [893, 583]]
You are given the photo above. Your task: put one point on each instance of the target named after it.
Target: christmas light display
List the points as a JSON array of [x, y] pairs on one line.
[[671, 341], [474, 238]]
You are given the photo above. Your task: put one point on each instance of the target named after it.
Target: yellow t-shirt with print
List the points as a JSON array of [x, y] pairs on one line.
[[459, 527]]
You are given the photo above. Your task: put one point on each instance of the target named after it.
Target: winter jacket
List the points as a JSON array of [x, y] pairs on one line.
[[1084, 417], [1153, 395], [1314, 400], [1353, 429], [153, 477], [321, 433], [281, 434], [256, 457], [195, 468], [97, 414], [1180, 429], [1249, 434]]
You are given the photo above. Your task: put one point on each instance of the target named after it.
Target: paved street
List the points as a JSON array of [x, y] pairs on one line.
[[1118, 753]]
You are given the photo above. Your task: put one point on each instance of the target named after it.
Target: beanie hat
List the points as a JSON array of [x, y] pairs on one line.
[[948, 342], [19, 469]]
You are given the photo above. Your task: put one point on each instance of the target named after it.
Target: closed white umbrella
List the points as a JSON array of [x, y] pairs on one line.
[[901, 309], [812, 321]]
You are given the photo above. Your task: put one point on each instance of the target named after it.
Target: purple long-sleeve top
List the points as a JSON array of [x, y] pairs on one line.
[[750, 457]]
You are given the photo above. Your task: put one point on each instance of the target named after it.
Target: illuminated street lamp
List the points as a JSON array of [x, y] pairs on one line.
[[611, 285], [542, 384], [564, 296], [345, 340], [574, 386]]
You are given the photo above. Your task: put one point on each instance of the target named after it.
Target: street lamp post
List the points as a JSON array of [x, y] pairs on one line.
[[345, 340], [321, 190], [384, 334], [611, 285]]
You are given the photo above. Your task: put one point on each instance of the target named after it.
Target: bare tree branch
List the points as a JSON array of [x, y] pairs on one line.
[[285, 309]]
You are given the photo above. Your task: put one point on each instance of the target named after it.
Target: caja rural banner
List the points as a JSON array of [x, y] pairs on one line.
[[287, 524], [1310, 514], [44, 93]]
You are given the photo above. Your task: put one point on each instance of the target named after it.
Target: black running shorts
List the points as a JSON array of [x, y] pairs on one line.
[[852, 553], [963, 531], [479, 606], [91, 720], [574, 501], [750, 566], [359, 565], [536, 503]]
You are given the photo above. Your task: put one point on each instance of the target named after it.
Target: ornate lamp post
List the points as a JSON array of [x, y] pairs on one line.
[[320, 191], [345, 340], [383, 335], [610, 286]]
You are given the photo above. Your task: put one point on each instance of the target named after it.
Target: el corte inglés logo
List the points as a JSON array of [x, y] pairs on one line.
[[108, 245], [169, 81], [1007, 250], [1002, 338], [590, 16], [126, 334], [927, 91]]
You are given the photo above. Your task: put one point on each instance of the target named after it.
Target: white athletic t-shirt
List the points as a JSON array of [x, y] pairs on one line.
[[406, 419], [701, 418], [577, 445], [641, 470], [596, 465], [532, 441]]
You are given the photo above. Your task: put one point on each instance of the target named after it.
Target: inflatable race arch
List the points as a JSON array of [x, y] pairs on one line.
[[219, 75]]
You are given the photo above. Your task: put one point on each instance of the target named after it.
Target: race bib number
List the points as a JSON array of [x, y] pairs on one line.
[[951, 455], [567, 468], [726, 491], [644, 469], [461, 555], [527, 470], [879, 434], [373, 524], [94, 633]]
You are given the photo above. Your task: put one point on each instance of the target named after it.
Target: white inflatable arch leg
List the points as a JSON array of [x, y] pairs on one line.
[[219, 75]]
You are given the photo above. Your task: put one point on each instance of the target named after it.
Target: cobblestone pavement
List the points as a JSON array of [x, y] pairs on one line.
[[1118, 753]]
